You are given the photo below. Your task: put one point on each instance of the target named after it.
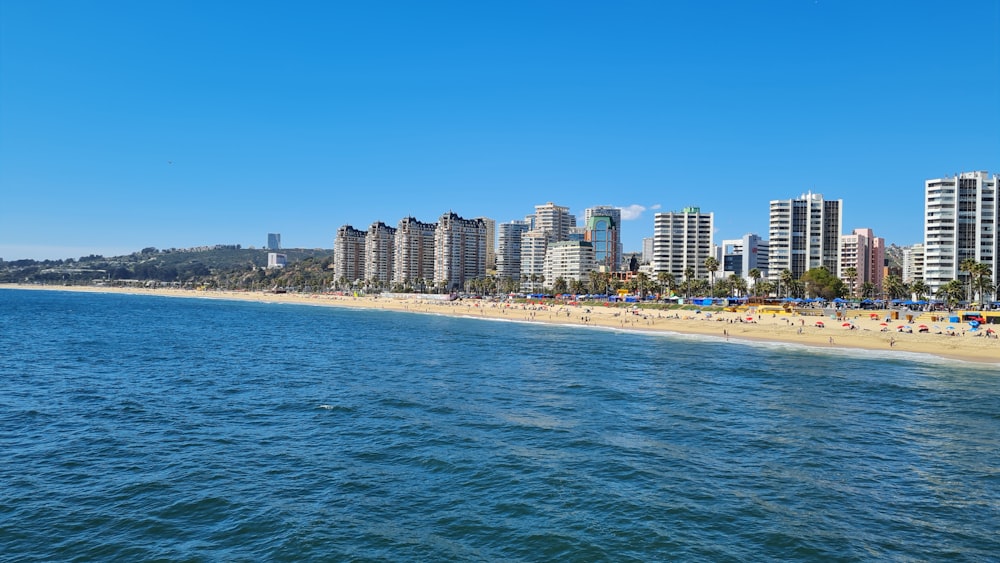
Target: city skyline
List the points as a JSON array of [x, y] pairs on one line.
[[124, 126]]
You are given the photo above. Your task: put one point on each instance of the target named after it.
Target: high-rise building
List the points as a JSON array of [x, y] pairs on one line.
[[615, 213], [569, 260], [509, 249], [647, 250], [533, 246], [960, 221], [602, 232], [413, 264], [913, 263], [491, 238], [555, 220], [274, 241], [349, 255], [864, 252], [804, 233], [682, 240], [459, 251], [380, 244], [740, 256]]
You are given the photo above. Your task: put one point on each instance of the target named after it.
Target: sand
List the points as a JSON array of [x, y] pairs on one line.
[[868, 333]]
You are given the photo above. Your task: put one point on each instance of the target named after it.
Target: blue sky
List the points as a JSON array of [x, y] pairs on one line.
[[177, 124]]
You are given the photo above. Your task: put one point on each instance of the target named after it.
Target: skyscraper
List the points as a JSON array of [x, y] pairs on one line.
[[379, 253], [491, 238], [413, 263], [803, 234], [682, 240], [554, 220], [459, 251], [349, 255], [509, 249], [602, 232], [864, 252], [739, 256], [274, 241], [913, 263], [960, 220], [610, 257]]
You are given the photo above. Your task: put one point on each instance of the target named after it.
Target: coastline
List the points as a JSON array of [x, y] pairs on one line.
[[868, 333]]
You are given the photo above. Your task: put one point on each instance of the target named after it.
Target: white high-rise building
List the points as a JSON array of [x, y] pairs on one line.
[[913, 263], [804, 233], [380, 247], [960, 221], [739, 256], [569, 260], [682, 240], [349, 255], [413, 262], [555, 220], [509, 249], [647, 250], [459, 250], [533, 246]]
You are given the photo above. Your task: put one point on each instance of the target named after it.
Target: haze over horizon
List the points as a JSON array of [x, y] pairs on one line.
[[127, 125]]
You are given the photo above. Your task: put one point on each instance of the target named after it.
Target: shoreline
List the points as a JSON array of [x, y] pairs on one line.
[[869, 334]]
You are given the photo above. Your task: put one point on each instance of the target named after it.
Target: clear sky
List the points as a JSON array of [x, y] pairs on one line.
[[186, 123]]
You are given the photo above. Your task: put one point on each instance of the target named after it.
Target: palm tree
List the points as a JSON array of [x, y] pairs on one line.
[[667, 282], [711, 264], [969, 267], [951, 292], [755, 276], [641, 283], [919, 289], [981, 279], [738, 284], [851, 275], [688, 274], [787, 278]]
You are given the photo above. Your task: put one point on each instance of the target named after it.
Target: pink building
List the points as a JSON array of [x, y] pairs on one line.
[[865, 252]]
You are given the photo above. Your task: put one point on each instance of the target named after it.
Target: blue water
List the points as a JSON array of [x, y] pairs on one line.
[[141, 427]]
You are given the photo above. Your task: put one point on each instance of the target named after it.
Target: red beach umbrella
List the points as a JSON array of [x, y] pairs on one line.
[[819, 323], [883, 324], [922, 326], [846, 324]]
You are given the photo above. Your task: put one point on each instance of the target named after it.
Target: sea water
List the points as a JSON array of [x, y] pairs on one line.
[[143, 427]]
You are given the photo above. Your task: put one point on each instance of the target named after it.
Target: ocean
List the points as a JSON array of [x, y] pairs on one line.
[[154, 428]]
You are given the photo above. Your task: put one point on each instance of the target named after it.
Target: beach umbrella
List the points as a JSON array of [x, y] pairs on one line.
[[819, 323], [846, 324], [749, 318], [899, 327], [922, 326], [883, 324], [951, 328]]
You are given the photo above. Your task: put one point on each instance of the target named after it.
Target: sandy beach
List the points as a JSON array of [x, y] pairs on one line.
[[869, 332]]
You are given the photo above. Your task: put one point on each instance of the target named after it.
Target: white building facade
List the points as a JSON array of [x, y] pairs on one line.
[[682, 240], [509, 249], [569, 260], [960, 220], [803, 234]]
